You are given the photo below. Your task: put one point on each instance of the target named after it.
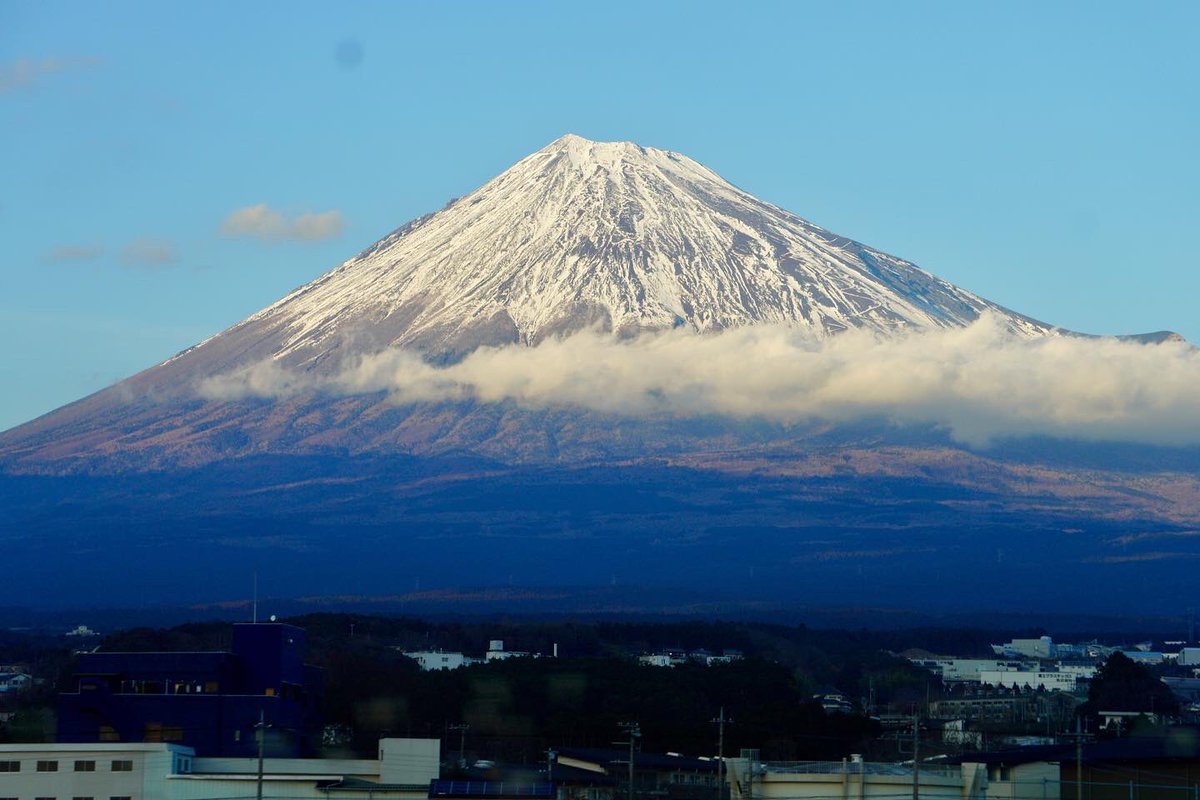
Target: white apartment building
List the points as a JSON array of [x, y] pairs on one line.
[[436, 659], [1042, 647], [120, 771], [90, 771], [966, 670], [1080, 671]]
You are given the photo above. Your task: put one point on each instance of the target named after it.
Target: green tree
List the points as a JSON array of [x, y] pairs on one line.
[[1123, 685]]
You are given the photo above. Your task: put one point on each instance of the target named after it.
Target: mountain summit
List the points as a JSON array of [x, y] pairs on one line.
[[583, 234]]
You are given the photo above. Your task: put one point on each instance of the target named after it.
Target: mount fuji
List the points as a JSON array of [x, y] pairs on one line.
[[617, 240], [607, 234], [579, 235]]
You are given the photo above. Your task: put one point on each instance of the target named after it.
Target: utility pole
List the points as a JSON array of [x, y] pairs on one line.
[[1078, 736], [634, 730], [721, 720], [462, 729], [916, 756], [751, 756], [262, 737], [1078, 760]]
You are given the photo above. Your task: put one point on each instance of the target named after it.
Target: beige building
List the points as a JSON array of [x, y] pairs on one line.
[[90, 771], [853, 779], [121, 771]]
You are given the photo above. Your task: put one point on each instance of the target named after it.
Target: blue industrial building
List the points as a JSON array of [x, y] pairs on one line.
[[211, 701]]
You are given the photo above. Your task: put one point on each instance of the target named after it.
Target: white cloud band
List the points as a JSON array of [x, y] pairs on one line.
[[979, 382]]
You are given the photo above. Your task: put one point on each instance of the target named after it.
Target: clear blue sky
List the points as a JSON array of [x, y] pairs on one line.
[[1043, 155]]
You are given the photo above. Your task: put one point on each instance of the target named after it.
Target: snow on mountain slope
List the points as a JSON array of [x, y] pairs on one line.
[[605, 234]]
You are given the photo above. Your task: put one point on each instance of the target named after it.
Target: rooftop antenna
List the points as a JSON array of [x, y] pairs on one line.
[[254, 618]]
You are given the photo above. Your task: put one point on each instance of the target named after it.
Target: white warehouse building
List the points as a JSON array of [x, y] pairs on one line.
[[1061, 681]]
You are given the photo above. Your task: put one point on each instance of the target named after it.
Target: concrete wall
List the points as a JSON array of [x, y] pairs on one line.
[[851, 781], [409, 761], [218, 787], [1037, 781]]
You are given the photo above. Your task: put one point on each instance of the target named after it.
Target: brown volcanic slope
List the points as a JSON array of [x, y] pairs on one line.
[[167, 436]]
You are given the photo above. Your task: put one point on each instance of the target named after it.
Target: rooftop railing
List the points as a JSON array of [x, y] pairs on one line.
[[768, 768]]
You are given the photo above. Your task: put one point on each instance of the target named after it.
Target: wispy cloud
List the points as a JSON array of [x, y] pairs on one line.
[[981, 383], [68, 253], [149, 252], [263, 222], [25, 73]]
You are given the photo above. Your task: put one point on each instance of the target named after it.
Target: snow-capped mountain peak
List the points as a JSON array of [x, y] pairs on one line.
[[608, 234]]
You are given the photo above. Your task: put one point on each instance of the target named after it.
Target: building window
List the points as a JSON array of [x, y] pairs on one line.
[[83, 798], [120, 797], [122, 766], [47, 766], [10, 766], [44, 798], [85, 766]]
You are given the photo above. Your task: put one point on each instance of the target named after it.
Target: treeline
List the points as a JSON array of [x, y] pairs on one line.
[[516, 709]]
